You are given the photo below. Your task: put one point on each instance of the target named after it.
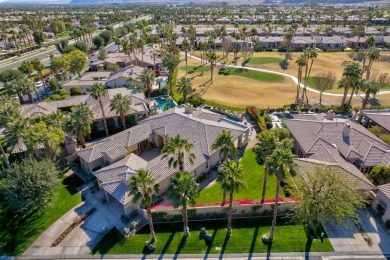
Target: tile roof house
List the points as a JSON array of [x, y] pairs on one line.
[[383, 200], [38, 109], [138, 103], [377, 117], [115, 159], [119, 78], [338, 140]]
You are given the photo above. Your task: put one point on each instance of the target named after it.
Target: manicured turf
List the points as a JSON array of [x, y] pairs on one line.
[[253, 180], [211, 103], [310, 82], [251, 74], [193, 69], [20, 231], [246, 238], [264, 60]]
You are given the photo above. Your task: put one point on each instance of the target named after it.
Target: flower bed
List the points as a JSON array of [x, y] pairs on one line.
[[235, 202], [75, 223]]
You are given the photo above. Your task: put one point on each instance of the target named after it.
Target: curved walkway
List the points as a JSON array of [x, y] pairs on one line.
[[295, 79]]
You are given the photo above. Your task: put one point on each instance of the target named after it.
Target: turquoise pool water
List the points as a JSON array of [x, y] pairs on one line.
[[148, 47], [162, 100], [233, 119]]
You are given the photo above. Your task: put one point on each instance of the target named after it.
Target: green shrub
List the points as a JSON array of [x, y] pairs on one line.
[[53, 84], [75, 91], [56, 97]]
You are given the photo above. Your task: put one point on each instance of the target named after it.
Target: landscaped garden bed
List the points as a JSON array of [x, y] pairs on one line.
[[246, 238]]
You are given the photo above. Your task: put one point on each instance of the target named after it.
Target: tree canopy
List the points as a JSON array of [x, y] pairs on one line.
[[29, 185]]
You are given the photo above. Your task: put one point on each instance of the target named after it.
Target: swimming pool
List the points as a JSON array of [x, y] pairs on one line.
[[233, 119], [161, 100], [147, 47]]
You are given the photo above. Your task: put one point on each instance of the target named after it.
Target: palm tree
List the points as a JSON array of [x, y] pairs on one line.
[[280, 163], [38, 66], [57, 119], [369, 88], [29, 87], [170, 61], [121, 105], [97, 92], [182, 191], [373, 55], [224, 142], [10, 110], [178, 147], [15, 87], [184, 87], [288, 38], [186, 47], [143, 188], [301, 61], [17, 132], [148, 76], [79, 122], [351, 73], [311, 55], [27, 68], [234, 173], [263, 149], [211, 57]]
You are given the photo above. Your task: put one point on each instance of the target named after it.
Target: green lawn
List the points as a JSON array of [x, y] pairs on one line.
[[253, 180], [251, 74], [214, 104], [63, 35], [246, 238], [20, 231], [193, 69], [310, 82], [264, 60]]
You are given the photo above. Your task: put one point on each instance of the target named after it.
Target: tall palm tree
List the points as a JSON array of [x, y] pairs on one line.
[[27, 68], [170, 61], [369, 88], [38, 66], [301, 62], [15, 87], [280, 163], [29, 87], [372, 55], [17, 132], [212, 58], [186, 47], [224, 142], [351, 73], [311, 56], [97, 92], [79, 122], [176, 149], [147, 76], [182, 191], [264, 148], [234, 173], [288, 36], [121, 105], [143, 188], [184, 87]]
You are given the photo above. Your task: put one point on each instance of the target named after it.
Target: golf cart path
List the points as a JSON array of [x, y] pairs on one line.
[[295, 79]]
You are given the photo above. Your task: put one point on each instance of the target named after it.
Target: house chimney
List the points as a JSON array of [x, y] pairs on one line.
[[330, 115], [188, 109], [346, 130]]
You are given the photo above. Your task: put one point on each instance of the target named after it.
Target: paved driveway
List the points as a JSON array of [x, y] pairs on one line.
[[82, 239], [349, 239]]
